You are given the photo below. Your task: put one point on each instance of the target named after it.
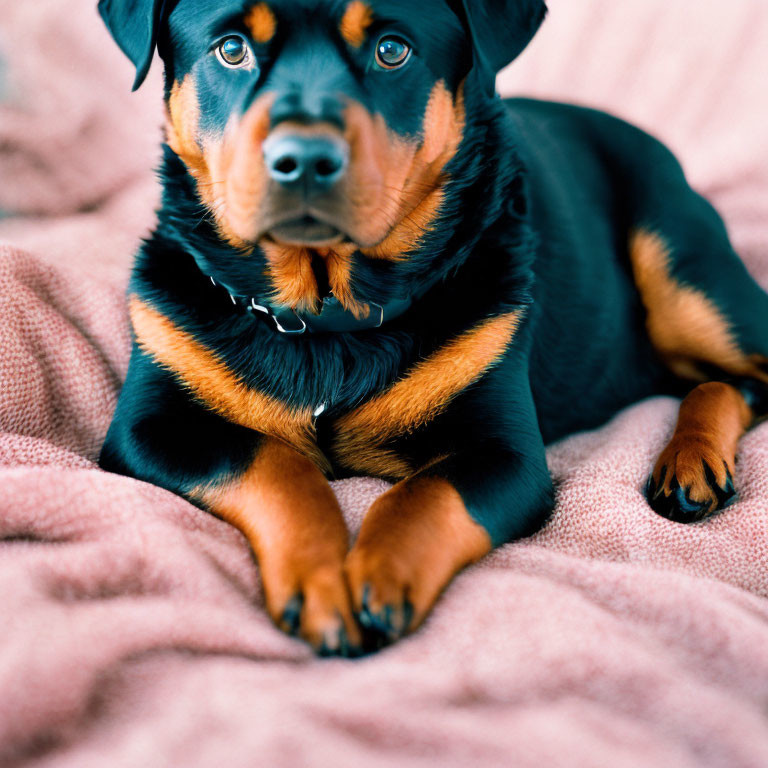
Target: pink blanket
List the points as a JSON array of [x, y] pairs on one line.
[[132, 629]]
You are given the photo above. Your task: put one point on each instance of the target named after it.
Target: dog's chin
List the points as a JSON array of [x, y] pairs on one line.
[[303, 229], [306, 232]]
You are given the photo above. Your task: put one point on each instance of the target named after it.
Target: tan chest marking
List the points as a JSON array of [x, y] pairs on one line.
[[294, 282], [290, 272], [209, 379], [685, 326], [424, 393]]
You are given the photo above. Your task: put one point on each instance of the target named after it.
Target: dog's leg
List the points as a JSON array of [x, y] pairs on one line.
[[694, 474], [289, 514], [708, 320], [413, 540], [425, 529], [277, 497]]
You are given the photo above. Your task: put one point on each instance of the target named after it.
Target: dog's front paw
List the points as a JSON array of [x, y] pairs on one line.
[[387, 595], [691, 480], [415, 538], [316, 607]]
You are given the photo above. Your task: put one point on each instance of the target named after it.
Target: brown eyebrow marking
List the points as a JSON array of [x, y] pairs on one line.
[[356, 20], [262, 23]]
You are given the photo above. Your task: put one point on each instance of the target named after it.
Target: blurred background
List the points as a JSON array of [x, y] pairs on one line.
[[77, 147]]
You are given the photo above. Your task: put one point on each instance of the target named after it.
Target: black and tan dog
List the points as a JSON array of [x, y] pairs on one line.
[[366, 264]]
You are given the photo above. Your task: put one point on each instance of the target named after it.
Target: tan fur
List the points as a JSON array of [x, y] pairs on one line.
[[240, 165], [685, 326], [262, 23], [290, 516], [294, 281], [338, 261], [424, 393], [213, 383], [183, 120], [413, 540], [182, 129], [229, 175], [399, 184], [290, 271], [357, 17]]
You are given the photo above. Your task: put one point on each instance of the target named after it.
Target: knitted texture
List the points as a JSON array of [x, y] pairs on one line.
[[132, 625]]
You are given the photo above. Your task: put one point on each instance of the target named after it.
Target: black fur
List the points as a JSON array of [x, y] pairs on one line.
[[134, 25]]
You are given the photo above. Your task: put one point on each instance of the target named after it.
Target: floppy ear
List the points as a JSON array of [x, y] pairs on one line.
[[500, 30], [134, 25]]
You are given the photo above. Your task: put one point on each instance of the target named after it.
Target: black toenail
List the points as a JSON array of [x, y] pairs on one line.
[[292, 614]]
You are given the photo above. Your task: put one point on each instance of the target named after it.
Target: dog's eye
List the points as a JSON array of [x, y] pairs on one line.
[[233, 52], [392, 52]]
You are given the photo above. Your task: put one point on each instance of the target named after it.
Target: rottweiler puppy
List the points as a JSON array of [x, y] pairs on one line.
[[365, 263]]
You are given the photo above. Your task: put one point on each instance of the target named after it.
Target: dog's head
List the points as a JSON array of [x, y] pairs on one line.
[[321, 125]]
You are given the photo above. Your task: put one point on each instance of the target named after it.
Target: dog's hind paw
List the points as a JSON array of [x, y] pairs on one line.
[[690, 482]]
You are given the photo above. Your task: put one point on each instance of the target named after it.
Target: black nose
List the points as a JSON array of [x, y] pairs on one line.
[[314, 162]]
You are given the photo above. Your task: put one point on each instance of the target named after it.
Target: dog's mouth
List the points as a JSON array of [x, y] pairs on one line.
[[306, 231]]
